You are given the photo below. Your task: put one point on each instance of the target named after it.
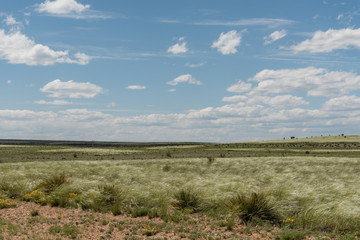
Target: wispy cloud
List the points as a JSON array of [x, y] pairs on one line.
[[55, 102], [274, 36], [136, 87], [269, 22], [194, 65]]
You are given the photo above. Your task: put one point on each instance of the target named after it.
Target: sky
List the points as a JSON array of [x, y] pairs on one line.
[[161, 70]]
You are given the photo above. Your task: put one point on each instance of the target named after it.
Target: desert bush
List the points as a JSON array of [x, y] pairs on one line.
[[166, 168], [109, 198], [210, 160], [186, 199], [64, 196], [51, 183], [257, 206], [290, 234], [36, 196]]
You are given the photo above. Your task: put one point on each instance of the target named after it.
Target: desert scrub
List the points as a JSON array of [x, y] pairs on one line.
[[64, 196], [51, 183], [148, 231], [67, 230], [6, 203], [108, 198], [35, 196], [257, 206], [186, 199]]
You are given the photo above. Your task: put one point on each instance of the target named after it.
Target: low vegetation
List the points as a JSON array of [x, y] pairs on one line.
[[282, 192]]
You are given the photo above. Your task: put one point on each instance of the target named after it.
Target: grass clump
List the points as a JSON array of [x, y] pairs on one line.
[[108, 198], [255, 207], [290, 234], [51, 183], [67, 230], [186, 199]]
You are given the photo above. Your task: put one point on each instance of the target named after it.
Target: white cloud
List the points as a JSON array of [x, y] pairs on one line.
[[9, 81], [314, 81], [227, 42], [112, 104], [236, 98], [324, 42], [172, 90], [17, 48], [239, 87], [274, 36], [56, 102], [178, 48], [340, 16], [61, 7], [194, 65], [71, 89], [136, 87], [286, 101], [11, 21], [186, 78], [270, 22], [344, 103], [69, 9]]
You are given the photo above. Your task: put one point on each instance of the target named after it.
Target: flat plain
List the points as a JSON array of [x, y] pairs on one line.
[[93, 190]]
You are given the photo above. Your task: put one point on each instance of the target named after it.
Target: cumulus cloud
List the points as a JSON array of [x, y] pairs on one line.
[[274, 36], [227, 42], [17, 48], [62, 7], [324, 42], [71, 89], [186, 78], [286, 101], [179, 47], [313, 81], [68, 8], [239, 87], [136, 87], [236, 98], [343, 103]]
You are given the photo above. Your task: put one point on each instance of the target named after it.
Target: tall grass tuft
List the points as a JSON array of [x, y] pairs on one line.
[[51, 183], [186, 199], [257, 206]]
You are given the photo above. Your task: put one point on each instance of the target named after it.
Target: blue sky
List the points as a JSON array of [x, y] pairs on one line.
[[218, 71]]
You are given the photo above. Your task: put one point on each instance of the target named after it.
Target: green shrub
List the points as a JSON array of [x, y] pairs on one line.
[[211, 160], [166, 168], [186, 199], [34, 213], [254, 207], [139, 212], [290, 234], [109, 198], [51, 183]]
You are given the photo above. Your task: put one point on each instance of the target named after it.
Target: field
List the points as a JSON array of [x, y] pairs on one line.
[[288, 189]]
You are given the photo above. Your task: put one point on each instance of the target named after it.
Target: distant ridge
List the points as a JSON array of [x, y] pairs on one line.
[[92, 143]]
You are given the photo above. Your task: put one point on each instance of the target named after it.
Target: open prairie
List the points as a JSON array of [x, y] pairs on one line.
[[288, 189]]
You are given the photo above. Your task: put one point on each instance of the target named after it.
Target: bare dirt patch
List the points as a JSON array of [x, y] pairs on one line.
[[32, 221]]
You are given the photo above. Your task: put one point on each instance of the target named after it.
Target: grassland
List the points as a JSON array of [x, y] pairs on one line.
[[312, 186]]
